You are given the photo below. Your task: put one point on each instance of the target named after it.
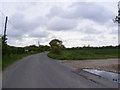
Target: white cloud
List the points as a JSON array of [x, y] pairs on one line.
[[59, 0], [75, 23]]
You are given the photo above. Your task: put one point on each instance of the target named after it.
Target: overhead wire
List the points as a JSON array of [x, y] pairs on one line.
[[9, 21]]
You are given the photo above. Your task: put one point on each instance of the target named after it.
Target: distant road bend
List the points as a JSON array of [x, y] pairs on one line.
[[39, 71]]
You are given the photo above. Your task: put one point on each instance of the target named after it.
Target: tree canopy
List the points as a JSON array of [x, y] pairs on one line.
[[55, 42], [56, 46]]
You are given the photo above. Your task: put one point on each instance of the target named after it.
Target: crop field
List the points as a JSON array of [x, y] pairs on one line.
[[86, 53]]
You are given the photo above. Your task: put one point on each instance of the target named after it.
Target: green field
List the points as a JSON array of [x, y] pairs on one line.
[[86, 53]]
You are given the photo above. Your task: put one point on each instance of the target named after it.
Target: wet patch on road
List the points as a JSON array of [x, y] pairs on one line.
[[99, 79], [111, 76]]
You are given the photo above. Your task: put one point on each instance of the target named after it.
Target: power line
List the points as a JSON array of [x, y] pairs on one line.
[[9, 21], [13, 25], [2, 29], [2, 13]]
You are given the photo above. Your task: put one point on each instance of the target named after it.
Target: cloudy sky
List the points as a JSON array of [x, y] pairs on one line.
[[75, 22]]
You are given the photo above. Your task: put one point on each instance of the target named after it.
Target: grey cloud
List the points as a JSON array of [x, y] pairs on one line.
[[91, 11], [1, 23], [88, 38], [20, 26], [90, 30], [17, 26], [61, 24], [114, 32], [21, 6], [86, 10], [39, 34], [55, 11], [14, 34]]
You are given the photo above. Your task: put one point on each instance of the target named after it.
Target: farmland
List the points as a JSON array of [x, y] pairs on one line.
[[86, 53]]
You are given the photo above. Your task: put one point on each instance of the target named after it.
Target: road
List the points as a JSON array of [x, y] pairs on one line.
[[39, 71]]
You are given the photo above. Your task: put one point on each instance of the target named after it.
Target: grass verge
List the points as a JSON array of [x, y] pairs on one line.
[[85, 54], [8, 60]]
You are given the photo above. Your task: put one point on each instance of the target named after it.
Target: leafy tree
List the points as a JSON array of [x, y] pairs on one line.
[[4, 39], [55, 42], [44, 48], [56, 46], [0, 46], [4, 44]]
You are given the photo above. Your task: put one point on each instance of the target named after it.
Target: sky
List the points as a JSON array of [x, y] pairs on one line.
[[75, 22]]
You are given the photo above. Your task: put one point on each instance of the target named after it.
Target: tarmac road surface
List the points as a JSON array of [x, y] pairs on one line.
[[39, 71]]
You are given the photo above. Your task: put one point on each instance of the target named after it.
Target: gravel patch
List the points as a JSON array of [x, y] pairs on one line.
[[105, 64]]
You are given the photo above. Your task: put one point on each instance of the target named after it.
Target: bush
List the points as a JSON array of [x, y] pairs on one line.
[[56, 46], [56, 50]]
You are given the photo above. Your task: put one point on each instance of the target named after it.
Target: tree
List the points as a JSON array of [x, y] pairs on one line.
[[0, 45], [4, 39], [56, 46], [55, 42], [4, 45]]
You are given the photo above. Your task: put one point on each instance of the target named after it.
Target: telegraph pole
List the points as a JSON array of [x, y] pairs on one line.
[[4, 42], [119, 12], [117, 19], [38, 43], [118, 23], [4, 36]]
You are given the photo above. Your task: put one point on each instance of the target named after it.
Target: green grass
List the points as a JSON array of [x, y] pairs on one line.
[[85, 54], [8, 60]]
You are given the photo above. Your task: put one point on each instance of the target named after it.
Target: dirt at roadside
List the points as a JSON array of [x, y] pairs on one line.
[[106, 64]]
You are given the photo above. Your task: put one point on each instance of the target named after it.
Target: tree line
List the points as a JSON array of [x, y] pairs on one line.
[[56, 46], [91, 47], [8, 50]]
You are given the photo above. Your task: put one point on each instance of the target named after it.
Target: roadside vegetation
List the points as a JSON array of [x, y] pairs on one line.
[[10, 54], [85, 53], [56, 46], [8, 60]]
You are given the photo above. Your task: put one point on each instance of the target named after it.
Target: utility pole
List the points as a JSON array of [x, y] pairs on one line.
[[117, 19], [4, 36], [38, 43], [4, 43], [119, 12]]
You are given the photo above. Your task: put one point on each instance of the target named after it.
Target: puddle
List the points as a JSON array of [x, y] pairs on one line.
[[114, 77]]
